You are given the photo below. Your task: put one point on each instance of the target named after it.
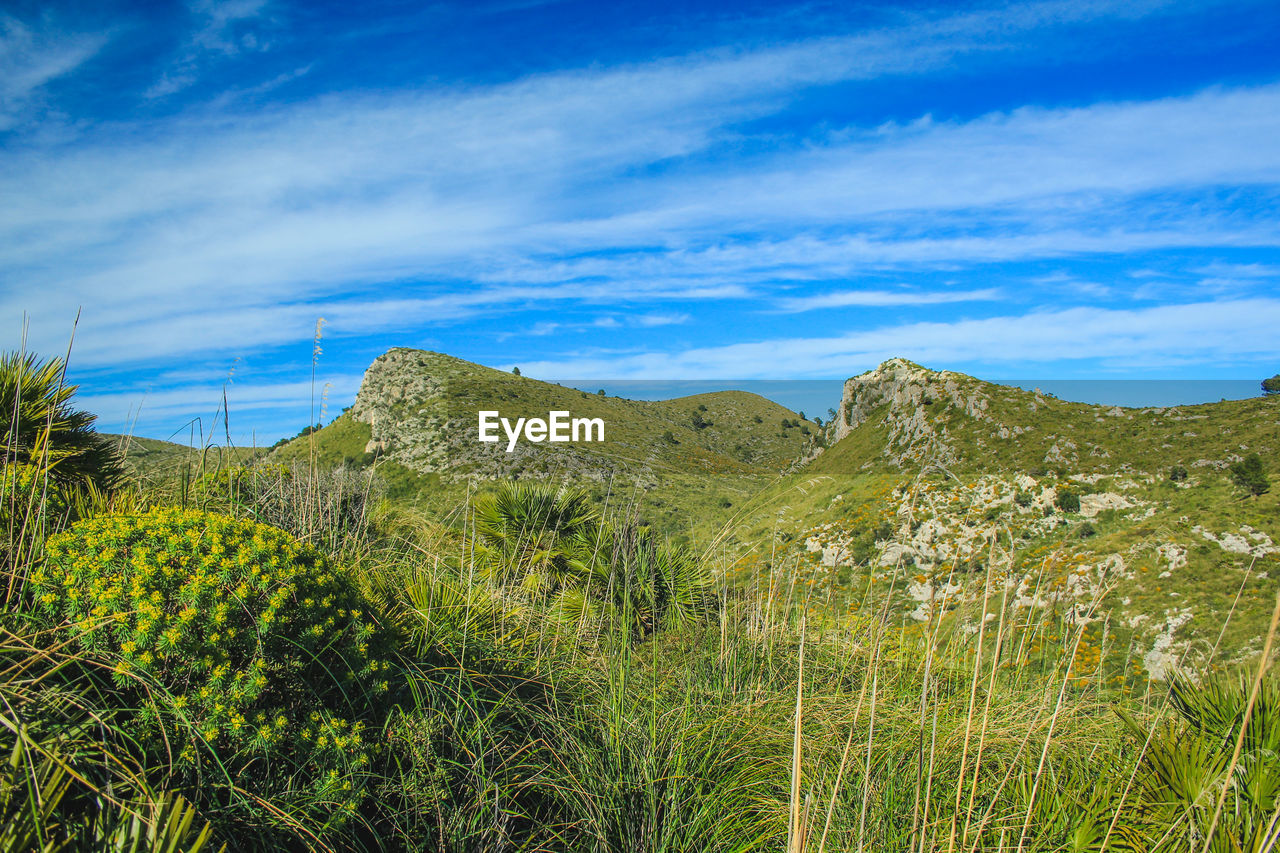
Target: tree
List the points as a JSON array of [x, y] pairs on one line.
[[515, 371], [39, 427], [1248, 474], [802, 417], [600, 392], [1067, 501], [1271, 386]]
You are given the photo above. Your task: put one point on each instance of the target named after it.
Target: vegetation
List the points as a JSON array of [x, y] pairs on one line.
[[1249, 475], [1271, 386], [1067, 501], [538, 668], [43, 433]]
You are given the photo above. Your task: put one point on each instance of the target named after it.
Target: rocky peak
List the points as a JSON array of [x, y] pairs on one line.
[[908, 388], [402, 399]]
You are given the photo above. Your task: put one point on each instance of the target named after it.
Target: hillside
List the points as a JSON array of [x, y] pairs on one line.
[[931, 478], [934, 478], [154, 459], [416, 417]]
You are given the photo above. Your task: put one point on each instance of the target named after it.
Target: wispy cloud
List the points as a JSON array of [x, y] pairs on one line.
[[1173, 335], [33, 54], [117, 412], [883, 298], [218, 31]]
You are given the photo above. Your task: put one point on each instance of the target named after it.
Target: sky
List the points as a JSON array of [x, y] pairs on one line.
[[647, 190]]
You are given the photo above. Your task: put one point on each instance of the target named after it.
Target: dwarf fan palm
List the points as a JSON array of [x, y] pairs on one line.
[[536, 536], [40, 428], [553, 544]]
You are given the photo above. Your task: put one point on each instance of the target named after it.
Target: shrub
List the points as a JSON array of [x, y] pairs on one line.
[[268, 655], [1067, 501], [1177, 474], [1022, 499], [1248, 475], [554, 547], [330, 507], [39, 427]]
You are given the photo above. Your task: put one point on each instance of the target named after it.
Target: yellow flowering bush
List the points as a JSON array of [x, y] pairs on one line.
[[266, 649]]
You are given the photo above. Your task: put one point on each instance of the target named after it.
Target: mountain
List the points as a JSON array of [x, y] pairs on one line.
[[1125, 518], [416, 417], [939, 488], [154, 459]]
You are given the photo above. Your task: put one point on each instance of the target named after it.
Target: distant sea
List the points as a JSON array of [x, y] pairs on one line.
[[815, 397]]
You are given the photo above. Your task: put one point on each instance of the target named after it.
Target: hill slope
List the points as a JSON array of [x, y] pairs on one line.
[[937, 477], [417, 415]]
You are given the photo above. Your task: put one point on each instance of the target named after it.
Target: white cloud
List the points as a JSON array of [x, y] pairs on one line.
[[218, 33], [650, 321], [32, 56], [226, 231], [1169, 334], [883, 298], [141, 410]]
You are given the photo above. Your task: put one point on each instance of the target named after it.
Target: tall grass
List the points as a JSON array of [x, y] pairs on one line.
[[567, 680]]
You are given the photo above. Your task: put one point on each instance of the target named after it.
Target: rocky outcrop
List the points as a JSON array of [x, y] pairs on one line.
[[908, 390], [402, 399], [414, 402]]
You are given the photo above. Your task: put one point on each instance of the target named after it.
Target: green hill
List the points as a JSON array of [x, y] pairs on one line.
[[417, 416], [154, 460], [934, 478], [929, 480]]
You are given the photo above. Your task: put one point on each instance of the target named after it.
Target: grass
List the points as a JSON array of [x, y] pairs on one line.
[[805, 711]]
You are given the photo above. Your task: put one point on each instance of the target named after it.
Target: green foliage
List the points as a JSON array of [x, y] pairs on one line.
[[552, 545], [515, 371], [37, 810], [265, 654], [1177, 474], [1271, 386], [40, 428], [535, 536], [1067, 501], [1186, 764], [1249, 475], [328, 507]]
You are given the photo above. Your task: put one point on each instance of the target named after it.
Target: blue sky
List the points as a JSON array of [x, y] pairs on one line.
[[633, 190]]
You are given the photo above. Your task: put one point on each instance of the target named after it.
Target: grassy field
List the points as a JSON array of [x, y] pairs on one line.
[[277, 656]]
